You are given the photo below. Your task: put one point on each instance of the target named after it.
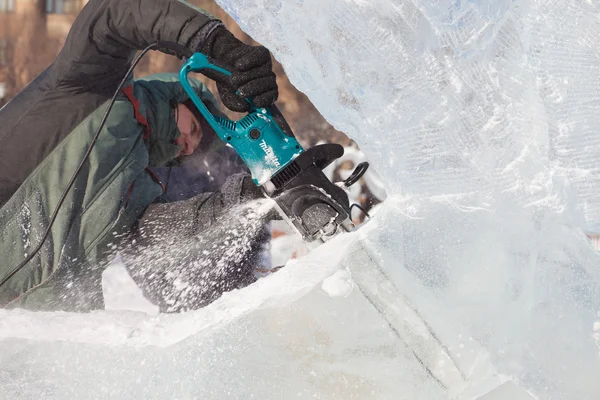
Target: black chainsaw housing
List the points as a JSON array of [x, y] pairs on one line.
[[307, 198]]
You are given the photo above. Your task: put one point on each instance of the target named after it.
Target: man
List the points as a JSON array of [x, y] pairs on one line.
[[47, 129]]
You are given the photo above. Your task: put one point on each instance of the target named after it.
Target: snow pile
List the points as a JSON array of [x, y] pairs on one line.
[[137, 329]]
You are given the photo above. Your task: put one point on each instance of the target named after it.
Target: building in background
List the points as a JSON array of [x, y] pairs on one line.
[[31, 33]]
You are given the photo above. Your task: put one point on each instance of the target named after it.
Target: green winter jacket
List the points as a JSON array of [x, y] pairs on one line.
[[47, 129]]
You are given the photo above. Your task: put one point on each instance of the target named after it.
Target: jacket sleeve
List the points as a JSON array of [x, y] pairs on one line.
[[185, 254], [107, 34]]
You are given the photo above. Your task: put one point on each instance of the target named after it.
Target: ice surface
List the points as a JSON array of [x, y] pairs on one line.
[[482, 119], [277, 339], [452, 97]]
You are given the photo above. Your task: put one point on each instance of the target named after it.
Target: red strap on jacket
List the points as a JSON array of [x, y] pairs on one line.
[[155, 178], [129, 194], [128, 91]]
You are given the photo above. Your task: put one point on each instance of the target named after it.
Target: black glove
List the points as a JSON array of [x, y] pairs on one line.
[[252, 71], [248, 191]]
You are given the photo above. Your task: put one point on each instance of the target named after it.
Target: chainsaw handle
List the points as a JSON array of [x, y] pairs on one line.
[[201, 61], [195, 63], [198, 62]]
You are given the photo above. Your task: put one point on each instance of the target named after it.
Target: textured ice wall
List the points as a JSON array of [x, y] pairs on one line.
[[452, 96], [483, 117]]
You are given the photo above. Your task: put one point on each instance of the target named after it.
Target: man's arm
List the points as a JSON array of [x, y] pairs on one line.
[[107, 34], [185, 254]]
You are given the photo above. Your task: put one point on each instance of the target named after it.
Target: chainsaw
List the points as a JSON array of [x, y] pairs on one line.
[[315, 207]]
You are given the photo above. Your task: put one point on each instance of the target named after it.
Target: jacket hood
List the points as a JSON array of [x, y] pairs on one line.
[[159, 94]]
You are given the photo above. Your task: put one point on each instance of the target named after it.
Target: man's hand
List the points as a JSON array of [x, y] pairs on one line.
[[249, 191], [252, 71], [246, 190]]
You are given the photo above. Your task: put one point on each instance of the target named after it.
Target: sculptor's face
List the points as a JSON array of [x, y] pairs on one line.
[[189, 127]]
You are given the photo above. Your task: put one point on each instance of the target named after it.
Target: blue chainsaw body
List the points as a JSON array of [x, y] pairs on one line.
[[257, 138]]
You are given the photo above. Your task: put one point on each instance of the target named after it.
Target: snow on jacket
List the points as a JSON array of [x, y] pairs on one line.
[[46, 130]]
